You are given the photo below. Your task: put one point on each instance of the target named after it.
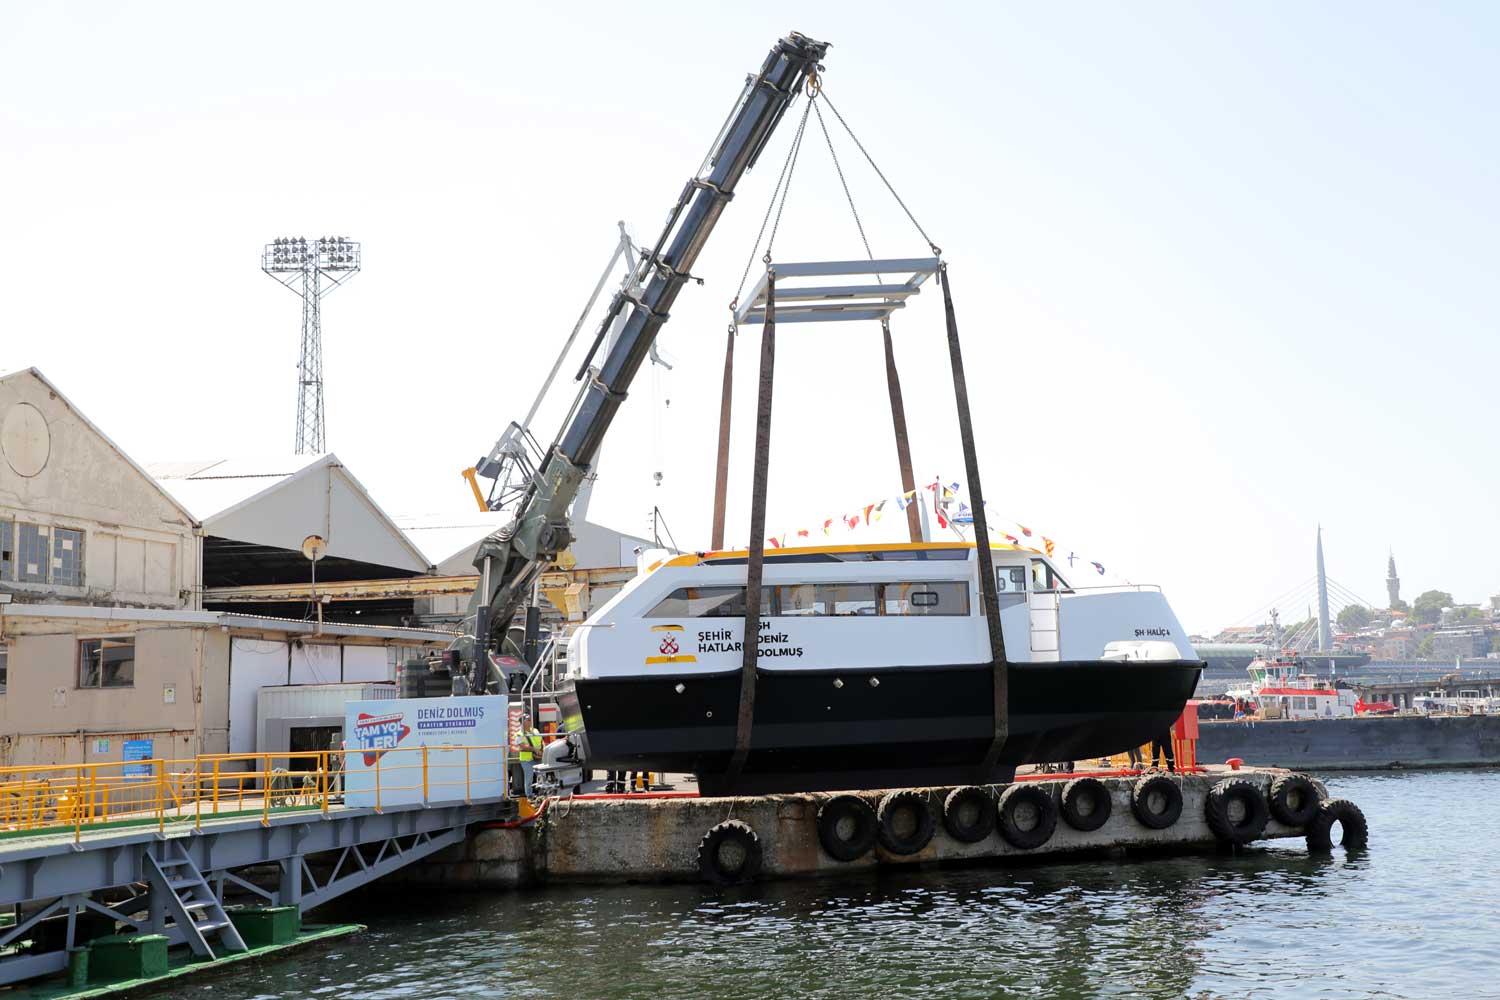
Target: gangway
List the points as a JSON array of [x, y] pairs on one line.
[[163, 846]]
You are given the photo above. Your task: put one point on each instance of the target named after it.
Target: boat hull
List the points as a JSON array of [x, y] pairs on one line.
[[874, 728]]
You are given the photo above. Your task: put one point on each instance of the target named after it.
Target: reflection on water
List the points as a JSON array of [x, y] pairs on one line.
[[1411, 917]]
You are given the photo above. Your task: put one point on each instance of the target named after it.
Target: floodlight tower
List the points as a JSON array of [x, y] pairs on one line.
[[312, 269]]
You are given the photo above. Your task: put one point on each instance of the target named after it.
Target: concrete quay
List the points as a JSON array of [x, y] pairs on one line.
[[645, 839]]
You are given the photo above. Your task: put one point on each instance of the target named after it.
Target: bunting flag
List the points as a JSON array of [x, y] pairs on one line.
[[948, 510]]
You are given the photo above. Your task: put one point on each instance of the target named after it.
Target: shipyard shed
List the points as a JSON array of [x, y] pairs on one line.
[[105, 637], [255, 515]]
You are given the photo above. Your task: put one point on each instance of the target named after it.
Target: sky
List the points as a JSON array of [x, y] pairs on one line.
[[1223, 273]]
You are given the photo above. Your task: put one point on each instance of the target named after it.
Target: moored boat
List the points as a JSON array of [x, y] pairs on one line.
[[872, 670]]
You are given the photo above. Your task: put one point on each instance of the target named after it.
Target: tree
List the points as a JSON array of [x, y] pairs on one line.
[[1428, 607], [1354, 617], [1399, 605], [1424, 649]]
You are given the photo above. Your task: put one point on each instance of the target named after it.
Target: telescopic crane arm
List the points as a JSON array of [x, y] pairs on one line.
[[510, 560]]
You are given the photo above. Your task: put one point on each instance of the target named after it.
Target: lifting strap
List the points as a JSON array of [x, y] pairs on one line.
[[721, 472], [988, 594], [750, 645], [898, 423]]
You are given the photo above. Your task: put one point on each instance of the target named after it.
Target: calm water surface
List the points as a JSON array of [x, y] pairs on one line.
[[1414, 916]]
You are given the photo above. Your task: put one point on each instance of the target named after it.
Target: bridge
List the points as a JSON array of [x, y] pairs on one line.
[[164, 846]]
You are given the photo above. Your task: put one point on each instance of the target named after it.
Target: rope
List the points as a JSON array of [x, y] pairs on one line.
[[936, 250], [786, 167]]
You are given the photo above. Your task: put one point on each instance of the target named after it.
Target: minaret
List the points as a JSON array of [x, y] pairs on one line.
[[1325, 627], [1392, 582]]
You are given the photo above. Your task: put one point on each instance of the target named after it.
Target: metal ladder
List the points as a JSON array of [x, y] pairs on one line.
[[180, 891]]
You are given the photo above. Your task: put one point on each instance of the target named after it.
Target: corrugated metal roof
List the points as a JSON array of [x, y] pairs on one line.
[[209, 487]]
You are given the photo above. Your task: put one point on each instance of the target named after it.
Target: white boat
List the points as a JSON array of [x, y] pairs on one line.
[[873, 668], [1282, 689]]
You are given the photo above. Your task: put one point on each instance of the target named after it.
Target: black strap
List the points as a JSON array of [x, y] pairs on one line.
[[721, 470], [988, 594], [750, 647], [898, 424]]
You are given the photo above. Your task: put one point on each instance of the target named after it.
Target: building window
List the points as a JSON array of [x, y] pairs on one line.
[[67, 557], [31, 553], [4, 666], [7, 550], [106, 663]]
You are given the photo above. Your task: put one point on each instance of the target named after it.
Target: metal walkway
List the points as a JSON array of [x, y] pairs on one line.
[[79, 870]]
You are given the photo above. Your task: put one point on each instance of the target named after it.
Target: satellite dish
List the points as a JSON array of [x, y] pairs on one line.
[[313, 547]]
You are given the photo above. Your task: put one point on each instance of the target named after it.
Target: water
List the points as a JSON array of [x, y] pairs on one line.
[[1413, 916]]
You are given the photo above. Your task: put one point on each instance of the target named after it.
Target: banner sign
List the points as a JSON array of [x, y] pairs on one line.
[[412, 750], [137, 750]]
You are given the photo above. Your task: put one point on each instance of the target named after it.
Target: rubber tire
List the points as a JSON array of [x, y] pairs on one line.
[[710, 865], [1076, 792], [835, 811], [1216, 810], [1140, 797], [1282, 791], [891, 806], [1356, 835], [984, 821], [1022, 794]]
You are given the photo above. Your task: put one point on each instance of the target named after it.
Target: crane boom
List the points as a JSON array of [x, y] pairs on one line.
[[510, 560]]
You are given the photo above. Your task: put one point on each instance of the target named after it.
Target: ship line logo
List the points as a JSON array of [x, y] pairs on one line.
[[669, 650]]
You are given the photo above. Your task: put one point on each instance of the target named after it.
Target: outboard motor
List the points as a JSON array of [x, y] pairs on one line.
[[561, 769]]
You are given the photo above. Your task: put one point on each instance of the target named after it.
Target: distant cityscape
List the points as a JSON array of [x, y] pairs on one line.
[[1433, 626]]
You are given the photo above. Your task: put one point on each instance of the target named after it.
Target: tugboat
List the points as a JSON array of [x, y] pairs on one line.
[[873, 668], [1281, 687]]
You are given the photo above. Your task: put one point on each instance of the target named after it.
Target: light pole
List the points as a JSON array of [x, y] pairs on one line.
[[312, 269]]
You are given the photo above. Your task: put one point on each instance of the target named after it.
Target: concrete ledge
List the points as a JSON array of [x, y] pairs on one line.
[[657, 839]]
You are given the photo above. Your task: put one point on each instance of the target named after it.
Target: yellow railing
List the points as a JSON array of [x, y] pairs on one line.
[[57, 797]]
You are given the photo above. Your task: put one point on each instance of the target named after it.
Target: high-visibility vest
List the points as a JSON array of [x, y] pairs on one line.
[[531, 744]]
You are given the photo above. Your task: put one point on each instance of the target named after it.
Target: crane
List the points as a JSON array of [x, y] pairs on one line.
[[510, 560]]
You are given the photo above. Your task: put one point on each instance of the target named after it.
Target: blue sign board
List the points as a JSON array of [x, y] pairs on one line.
[[137, 750]]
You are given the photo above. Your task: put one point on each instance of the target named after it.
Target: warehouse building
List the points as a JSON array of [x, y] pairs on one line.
[[110, 640]]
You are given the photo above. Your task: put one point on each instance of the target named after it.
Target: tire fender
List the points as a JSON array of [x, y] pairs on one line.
[[1236, 826], [894, 806], [1294, 800], [730, 854], [1014, 802], [1156, 801], [969, 814], [846, 827], [1356, 835], [1086, 804]]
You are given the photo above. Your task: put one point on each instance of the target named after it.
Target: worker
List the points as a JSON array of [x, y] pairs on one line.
[[1161, 748], [529, 753]]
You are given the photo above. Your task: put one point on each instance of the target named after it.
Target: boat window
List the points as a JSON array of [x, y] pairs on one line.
[[944, 598], [798, 600], [839, 599], [1044, 577], [1010, 579], [708, 602]]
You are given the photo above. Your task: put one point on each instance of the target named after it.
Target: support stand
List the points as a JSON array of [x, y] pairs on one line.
[[750, 644]]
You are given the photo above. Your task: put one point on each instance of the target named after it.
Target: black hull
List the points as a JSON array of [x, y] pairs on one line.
[[916, 726]]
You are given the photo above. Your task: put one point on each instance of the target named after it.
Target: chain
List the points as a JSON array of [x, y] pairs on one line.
[[786, 167], [796, 151], [849, 197], [937, 251]]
